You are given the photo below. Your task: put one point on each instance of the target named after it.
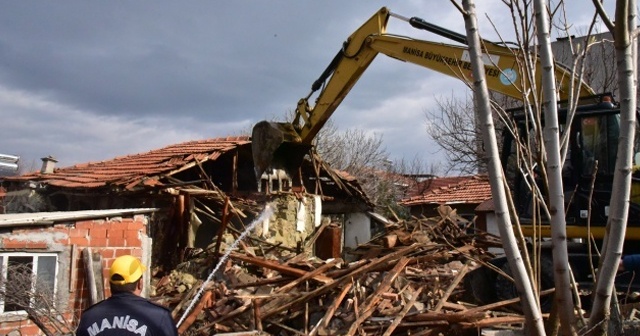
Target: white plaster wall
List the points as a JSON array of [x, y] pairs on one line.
[[357, 229], [492, 227]]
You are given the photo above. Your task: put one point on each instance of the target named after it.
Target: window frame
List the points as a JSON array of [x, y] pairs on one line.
[[4, 264]]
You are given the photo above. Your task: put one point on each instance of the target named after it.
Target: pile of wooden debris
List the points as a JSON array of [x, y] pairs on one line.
[[407, 280]]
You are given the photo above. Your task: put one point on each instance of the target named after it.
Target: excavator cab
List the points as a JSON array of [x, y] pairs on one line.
[[587, 175], [590, 161]]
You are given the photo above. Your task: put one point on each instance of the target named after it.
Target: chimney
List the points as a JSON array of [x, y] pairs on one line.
[[48, 163]]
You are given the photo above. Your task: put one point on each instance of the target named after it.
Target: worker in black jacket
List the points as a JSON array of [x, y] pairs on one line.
[[125, 312]]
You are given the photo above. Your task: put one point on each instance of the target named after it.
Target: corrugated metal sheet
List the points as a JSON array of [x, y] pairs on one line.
[[130, 170]]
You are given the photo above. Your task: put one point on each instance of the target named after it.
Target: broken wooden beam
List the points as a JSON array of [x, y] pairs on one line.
[[309, 275], [452, 286], [371, 301], [356, 273], [205, 300], [278, 267], [336, 303], [402, 313]]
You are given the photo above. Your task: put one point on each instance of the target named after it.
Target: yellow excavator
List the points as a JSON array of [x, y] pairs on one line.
[[594, 127], [357, 53]]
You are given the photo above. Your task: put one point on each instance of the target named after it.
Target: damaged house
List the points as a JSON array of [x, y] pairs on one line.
[[197, 191], [462, 193]]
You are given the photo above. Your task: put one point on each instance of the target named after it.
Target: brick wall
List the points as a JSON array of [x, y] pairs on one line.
[[110, 237]]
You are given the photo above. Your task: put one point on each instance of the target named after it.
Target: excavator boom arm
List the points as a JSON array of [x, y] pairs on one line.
[[361, 48]]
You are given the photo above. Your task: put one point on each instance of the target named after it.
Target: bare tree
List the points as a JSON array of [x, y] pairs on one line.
[[23, 290], [352, 150], [453, 128], [364, 156]]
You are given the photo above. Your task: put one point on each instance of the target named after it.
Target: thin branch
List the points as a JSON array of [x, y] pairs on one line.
[[459, 7], [603, 15]]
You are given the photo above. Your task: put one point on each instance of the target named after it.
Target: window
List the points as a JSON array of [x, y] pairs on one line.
[[29, 279]]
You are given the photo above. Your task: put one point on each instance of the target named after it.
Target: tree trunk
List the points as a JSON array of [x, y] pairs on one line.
[[620, 195], [483, 106], [562, 278]]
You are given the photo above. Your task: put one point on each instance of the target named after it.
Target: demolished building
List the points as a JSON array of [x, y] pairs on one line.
[[200, 189]]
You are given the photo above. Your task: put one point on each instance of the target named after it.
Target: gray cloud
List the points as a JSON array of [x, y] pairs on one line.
[[86, 81]]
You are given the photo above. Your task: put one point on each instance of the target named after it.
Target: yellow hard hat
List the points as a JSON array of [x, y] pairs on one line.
[[126, 269]]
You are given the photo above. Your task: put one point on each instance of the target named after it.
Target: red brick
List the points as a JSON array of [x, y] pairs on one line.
[[98, 232], [60, 229], [115, 233], [107, 254], [137, 225], [118, 225], [36, 245], [13, 244], [133, 238], [98, 242], [137, 253], [117, 242], [80, 241], [121, 252], [85, 224], [78, 233]]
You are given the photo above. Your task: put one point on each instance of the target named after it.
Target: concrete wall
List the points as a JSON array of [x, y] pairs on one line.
[[110, 238]]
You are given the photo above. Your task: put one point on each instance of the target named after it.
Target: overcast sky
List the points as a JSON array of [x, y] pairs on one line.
[[88, 81]]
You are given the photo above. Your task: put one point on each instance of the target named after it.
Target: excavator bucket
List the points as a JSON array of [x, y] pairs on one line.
[[276, 145]]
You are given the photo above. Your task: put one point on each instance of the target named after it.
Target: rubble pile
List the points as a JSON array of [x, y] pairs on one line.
[[407, 280]]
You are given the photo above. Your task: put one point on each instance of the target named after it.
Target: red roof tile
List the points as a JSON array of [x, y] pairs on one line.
[[133, 169], [469, 189], [423, 187]]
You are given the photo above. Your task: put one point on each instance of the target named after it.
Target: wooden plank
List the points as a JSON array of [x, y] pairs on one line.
[[390, 240], [503, 303], [98, 275], [367, 309], [185, 299], [223, 226], [91, 281], [73, 270], [448, 317], [256, 314], [402, 313], [454, 306], [205, 299], [452, 286], [315, 236], [493, 321], [278, 267], [309, 275], [326, 288], [334, 306]]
